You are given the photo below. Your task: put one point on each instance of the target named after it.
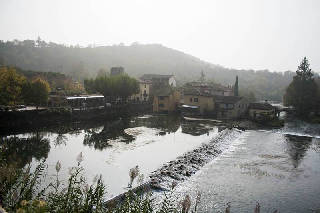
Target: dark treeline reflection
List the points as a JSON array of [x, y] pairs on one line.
[[296, 147], [98, 135], [99, 138], [20, 150], [167, 124], [195, 129], [112, 130]]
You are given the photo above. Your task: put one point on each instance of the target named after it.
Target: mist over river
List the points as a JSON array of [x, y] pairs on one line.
[[278, 168]]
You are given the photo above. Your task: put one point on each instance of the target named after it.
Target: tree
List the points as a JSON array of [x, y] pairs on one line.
[[36, 92], [302, 91], [102, 72], [236, 87], [10, 86], [113, 86], [248, 94], [202, 77]]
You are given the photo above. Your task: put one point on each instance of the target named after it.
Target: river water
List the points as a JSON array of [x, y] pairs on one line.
[[278, 168], [110, 148]]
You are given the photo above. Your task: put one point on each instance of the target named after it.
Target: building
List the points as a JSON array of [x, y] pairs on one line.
[[262, 111], [200, 98], [155, 79], [166, 100], [211, 88], [116, 71], [144, 91], [230, 107], [85, 102], [223, 107]]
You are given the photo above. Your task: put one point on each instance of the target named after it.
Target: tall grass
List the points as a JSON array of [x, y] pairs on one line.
[[21, 192]]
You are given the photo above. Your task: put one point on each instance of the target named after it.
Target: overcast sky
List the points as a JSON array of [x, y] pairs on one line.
[[249, 34]]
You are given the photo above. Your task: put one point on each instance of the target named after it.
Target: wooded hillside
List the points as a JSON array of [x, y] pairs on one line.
[[137, 59]]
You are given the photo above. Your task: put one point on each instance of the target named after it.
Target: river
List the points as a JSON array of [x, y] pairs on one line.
[[278, 168], [109, 148]]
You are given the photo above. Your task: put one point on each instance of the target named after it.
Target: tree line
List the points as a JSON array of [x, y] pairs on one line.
[[17, 89], [117, 86]]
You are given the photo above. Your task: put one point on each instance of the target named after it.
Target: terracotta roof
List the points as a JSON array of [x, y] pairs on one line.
[[261, 106], [197, 92], [213, 86], [227, 99], [156, 76]]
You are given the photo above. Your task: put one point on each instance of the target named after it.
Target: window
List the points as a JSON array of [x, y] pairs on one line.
[[145, 86], [161, 105], [161, 97], [195, 99], [190, 99]]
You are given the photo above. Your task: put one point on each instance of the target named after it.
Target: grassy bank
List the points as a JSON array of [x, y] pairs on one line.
[[22, 191]]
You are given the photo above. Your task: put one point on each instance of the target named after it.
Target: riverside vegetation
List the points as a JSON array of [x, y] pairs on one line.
[[21, 191]]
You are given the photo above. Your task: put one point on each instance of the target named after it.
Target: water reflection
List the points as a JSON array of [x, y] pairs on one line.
[[61, 139], [116, 131], [21, 150], [195, 129], [99, 139], [296, 147], [167, 124]]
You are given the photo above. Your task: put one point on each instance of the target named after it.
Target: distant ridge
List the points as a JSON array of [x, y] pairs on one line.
[[137, 59]]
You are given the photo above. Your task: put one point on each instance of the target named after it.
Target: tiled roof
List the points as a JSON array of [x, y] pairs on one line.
[[197, 92], [227, 99], [213, 86], [261, 106], [152, 76]]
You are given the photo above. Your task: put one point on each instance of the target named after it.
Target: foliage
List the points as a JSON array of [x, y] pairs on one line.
[[10, 86], [36, 92], [19, 185], [114, 86], [21, 192], [302, 91], [249, 95], [236, 87], [77, 196], [134, 203]]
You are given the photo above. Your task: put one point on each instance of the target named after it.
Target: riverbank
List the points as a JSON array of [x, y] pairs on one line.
[[246, 124], [30, 120]]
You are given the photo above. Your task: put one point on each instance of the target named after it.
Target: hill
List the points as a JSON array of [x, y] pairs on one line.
[[81, 63]]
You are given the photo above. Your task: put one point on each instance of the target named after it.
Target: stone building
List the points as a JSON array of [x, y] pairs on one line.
[[166, 100]]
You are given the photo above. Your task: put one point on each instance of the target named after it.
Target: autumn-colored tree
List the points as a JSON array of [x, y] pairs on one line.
[[36, 92], [10, 86]]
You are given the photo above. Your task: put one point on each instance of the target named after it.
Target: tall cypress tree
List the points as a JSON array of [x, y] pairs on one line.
[[302, 91], [236, 87]]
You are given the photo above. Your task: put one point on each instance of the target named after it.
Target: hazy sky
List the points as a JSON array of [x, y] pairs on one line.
[[257, 34]]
